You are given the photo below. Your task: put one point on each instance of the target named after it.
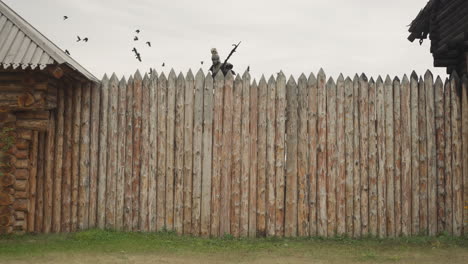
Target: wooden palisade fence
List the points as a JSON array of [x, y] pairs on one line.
[[277, 157]]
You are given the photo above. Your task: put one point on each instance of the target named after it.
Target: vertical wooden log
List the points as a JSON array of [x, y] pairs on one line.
[[67, 160], [94, 154], [161, 178], [331, 158], [207, 155], [153, 161], [83, 193], [364, 152], [32, 181], [414, 154], [128, 185], [102, 170], [270, 157], [245, 154], [357, 161], [312, 129], [448, 157], [57, 181], [302, 159], [197, 153], [226, 155], [349, 155], [49, 173], [457, 154], [112, 151], [253, 186], [389, 157], [217, 151], [422, 158], [144, 173], [261, 157], [373, 198], [464, 108], [188, 152], [39, 213], [341, 158], [440, 149], [431, 155], [406, 157], [137, 130], [170, 126], [121, 156], [236, 156], [397, 152], [381, 179], [179, 155], [76, 156], [290, 223], [280, 134], [322, 156]]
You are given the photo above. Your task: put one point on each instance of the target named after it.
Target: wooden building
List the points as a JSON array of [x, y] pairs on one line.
[[33, 72], [445, 22]]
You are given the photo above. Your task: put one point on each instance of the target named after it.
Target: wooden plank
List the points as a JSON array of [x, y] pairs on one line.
[[102, 170], [144, 150], [414, 155], [364, 152], [121, 136], [381, 208], [464, 107], [236, 157], [253, 187], [32, 181], [349, 154], [137, 130], [389, 157], [197, 153], [270, 157], [226, 170], [217, 151], [422, 158], [397, 152], [332, 174], [448, 157], [440, 149], [302, 162], [161, 178], [431, 155], [341, 158], [312, 129], [373, 198], [207, 155], [179, 155], [75, 156], [58, 152], [128, 185], [83, 191], [405, 157], [39, 213], [457, 155], [357, 161], [49, 174], [111, 178], [290, 222], [188, 152], [94, 154], [153, 162], [245, 154], [322, 156], [261, 157], [280, 134], [170, 154]]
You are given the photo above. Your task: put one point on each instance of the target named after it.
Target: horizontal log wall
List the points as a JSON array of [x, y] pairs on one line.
[[207, 156]]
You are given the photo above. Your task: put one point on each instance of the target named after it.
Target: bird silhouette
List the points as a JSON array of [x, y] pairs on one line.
[[85, 39], [138, 57], [248, 68], [135, 38], [149, 43], [134, 50], [163, 64], [201, 62], [79, 39], [151, 71], [137, 31], [65, 17], [67, 52]]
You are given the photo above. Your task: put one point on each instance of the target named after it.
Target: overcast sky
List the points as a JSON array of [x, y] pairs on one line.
[[296, 36]]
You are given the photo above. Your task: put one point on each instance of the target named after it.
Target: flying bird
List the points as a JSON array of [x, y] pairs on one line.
[[135, 38], [134, 50], [163, 64], [149, 43], [151, 71], [85, 39], [137, 31], [138, 57], [248, 68], [67, 52], [79, 39], [65, 17], [201, 62]]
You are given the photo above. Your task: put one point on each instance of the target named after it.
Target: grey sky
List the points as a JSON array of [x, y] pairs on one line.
[[296, 36]]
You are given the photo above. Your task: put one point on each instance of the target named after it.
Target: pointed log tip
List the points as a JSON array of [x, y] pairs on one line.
[[162, 76], [312, 77], [219, 76], [341, 77], [302, 77], [137, 75], [172, 73], [291, 80], [379, 79], [254, 83], [321, 72], [262, 79], [130, 78], [428, 74], [114, 78], [330, 81], [348, 79], [454, 75], [145, 77], [200, 71], [388, 80], [464, 78], [421, 79], [229, 75], [190, 75], [246, 74], [414, 75], [200, 74], [122, 80], [405, 78], [396, 79], [372, 81], [364, 77], [208, 77], [438, 80], [180, 75], [271, 80], [105, 78]]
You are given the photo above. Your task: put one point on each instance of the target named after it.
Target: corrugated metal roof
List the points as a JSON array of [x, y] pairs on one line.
[[21, 45]]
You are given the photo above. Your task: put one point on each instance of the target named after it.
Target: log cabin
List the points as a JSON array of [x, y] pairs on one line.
[[33, 72]]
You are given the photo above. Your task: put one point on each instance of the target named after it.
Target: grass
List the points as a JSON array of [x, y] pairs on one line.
[[330, 250]]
